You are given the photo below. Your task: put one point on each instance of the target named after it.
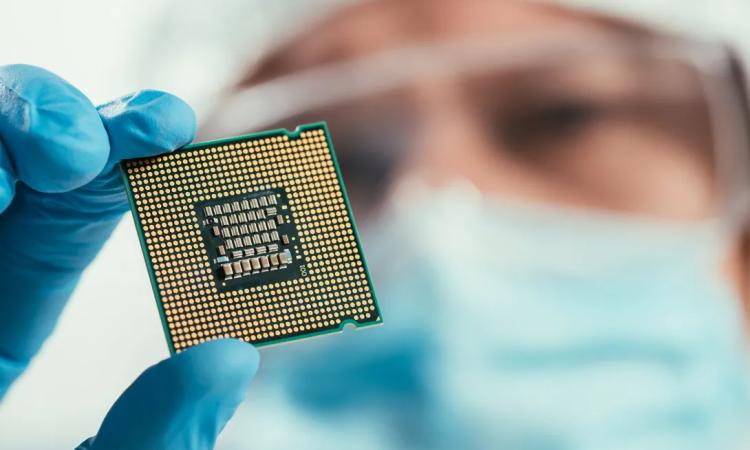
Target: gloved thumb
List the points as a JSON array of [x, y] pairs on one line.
[[182, 402]]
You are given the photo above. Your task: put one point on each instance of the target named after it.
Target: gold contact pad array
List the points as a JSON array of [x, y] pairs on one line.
[[336, 288]]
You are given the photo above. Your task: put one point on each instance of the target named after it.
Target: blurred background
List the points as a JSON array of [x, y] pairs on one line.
[[111, 330]]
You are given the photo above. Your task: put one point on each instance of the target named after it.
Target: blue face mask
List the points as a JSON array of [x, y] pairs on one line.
[[510, 326]]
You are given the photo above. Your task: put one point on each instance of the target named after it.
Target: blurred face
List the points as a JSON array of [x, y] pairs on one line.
[[571, 288], [624, 131]]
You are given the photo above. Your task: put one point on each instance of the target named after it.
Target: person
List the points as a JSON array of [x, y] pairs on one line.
[[547, 200]]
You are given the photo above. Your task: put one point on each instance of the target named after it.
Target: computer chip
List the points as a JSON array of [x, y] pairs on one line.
[[251, 238]]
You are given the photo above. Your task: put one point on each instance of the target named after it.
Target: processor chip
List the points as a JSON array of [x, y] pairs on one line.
[[250, 238]]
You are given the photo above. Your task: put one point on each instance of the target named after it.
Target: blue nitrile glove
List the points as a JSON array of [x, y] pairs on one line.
[[60, 198], [181, 403]]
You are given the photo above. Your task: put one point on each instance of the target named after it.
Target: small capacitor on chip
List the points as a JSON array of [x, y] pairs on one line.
[[285, 257]]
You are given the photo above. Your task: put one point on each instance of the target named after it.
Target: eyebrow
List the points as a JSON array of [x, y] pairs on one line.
[[285, 58]]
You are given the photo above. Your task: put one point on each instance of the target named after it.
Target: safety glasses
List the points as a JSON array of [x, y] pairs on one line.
[[650, 126]]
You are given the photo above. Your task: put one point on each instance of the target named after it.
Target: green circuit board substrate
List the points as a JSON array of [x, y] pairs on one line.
[[251, 238]]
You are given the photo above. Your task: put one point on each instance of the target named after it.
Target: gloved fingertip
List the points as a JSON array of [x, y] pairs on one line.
[[179, 119], [147, 123], [220, 365]]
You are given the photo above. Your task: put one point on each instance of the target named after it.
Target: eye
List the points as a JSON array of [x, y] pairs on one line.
[[552, 120], [560, 118]]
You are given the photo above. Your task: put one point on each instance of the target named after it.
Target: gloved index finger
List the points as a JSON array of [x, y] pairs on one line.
[[146, 123]]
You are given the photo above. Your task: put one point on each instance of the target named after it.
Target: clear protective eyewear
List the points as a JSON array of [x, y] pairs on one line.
[[651, 126]]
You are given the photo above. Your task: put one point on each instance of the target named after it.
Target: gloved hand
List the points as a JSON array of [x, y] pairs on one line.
[[60, 198]]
